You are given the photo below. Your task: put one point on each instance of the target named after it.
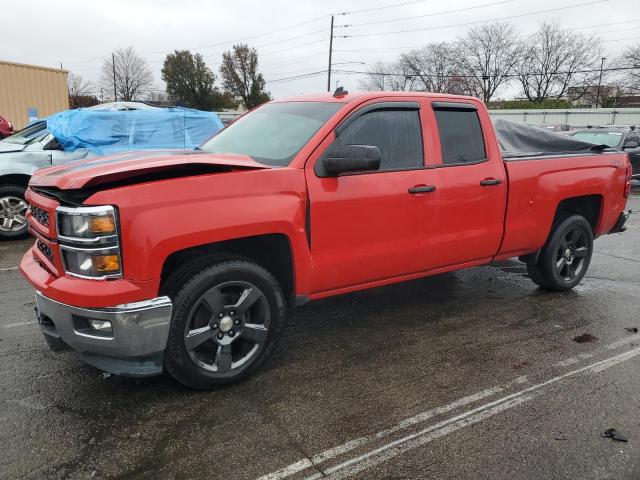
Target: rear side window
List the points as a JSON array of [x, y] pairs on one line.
[[460, 136], [397, 133]]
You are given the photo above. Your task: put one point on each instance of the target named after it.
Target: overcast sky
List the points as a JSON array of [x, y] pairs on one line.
[[80, 34]]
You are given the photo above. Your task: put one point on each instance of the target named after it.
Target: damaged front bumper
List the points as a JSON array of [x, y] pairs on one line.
[[127, 339]]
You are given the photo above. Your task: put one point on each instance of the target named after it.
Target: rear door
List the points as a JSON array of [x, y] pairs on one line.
[[369, 226], [471, 184]]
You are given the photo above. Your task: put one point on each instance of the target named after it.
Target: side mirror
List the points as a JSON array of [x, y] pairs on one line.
[[351, 158], [630, 145]]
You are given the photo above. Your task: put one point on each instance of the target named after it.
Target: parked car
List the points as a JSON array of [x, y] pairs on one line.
[[84, 133], [622, 139], [189, 264], [6, 128], [558, 128]]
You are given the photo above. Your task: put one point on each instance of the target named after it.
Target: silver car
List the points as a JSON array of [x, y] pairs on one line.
[[20, 155]]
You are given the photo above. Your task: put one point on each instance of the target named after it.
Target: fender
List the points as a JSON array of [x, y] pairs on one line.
[[163, 217], [11, 168]]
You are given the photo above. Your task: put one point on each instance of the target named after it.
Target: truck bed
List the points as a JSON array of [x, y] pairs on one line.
[[538, 183]]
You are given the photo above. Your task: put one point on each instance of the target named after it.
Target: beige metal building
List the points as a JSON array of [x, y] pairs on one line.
[[28, 91]]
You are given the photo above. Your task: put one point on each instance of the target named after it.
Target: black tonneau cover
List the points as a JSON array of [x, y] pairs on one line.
[[521, 140]]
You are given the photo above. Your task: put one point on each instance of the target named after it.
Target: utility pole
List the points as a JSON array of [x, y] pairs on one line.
[[113, 64], [330, 52], [600, 81]]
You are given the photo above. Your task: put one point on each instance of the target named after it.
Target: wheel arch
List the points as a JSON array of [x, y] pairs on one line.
[[21, 179], [272, 251], [588, 206]]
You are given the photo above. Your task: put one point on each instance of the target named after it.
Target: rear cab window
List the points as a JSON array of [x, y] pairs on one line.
[[461, 137]]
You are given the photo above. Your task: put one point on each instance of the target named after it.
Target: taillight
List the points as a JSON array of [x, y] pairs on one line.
[[627, 179]]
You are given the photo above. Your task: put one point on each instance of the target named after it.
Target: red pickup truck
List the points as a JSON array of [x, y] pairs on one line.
[[190, 263]]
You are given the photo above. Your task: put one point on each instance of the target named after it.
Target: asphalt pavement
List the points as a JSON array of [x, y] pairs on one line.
[[471, 375]]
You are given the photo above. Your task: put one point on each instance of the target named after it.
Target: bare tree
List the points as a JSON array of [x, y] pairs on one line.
[[81, 92], [554, 61], [78, 85], [631, 59], [395, 77], [157, 97], [240, 77], [435, 68], [486, 58], [132, 74]]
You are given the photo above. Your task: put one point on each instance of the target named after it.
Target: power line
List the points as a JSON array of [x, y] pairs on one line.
[[296, 77], [434, 14], [392, 5], [322, 30], [414, 75], [600, 25], [411, 47], [293, 47], [621, 39], [438, 27], [293, 60], [270, 32]]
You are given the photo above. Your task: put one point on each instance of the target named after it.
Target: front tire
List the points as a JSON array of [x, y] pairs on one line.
[[227, 318], [566, 256], [13, 210]]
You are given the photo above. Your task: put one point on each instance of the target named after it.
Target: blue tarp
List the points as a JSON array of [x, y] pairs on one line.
[[104, 132]]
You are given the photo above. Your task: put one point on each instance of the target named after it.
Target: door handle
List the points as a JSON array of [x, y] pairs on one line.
[[490, 181], [422, 189]]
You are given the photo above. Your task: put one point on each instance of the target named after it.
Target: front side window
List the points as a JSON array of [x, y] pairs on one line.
[[274, 133], [396, 133], [461, 136]]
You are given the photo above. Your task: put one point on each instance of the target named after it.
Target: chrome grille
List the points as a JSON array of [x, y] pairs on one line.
[[41, 216], [44, 248]]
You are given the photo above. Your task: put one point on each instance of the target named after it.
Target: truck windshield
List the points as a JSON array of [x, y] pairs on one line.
[[274, 133], [610, 139]]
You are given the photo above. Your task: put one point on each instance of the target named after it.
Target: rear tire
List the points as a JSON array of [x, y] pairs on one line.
[[13, 209], [227, 319], [566, 256]]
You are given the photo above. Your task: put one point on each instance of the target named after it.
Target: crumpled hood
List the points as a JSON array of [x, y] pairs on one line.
[[6, 147], [117, 168]]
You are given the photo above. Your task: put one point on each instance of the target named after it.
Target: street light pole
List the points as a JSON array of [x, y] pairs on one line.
[[113, 66], [330, 52], [600, 81]]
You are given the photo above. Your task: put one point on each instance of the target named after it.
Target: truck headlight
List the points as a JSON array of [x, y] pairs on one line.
[[86, 222], [89, 242]]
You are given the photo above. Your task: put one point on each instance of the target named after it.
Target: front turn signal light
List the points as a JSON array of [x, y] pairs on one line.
[[106, 263], [103, 225]]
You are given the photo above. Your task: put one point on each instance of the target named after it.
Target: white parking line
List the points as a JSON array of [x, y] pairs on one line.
[[385, 452], [19, 324], [355, 443], [8, 269]]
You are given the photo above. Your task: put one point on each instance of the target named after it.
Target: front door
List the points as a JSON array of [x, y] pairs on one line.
[[368, 226]]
